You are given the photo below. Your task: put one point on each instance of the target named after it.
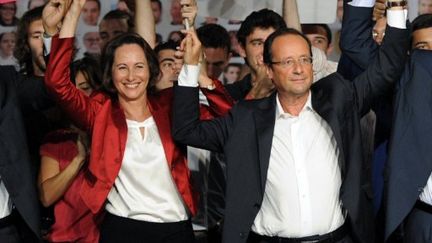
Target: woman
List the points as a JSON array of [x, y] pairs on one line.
[[137, 174], [63, 156], [7, 45]]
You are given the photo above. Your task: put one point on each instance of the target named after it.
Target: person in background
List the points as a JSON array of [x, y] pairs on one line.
[[217, 48], [168, 64], [424, 7], [7, 45], [320, 36], [7, 14], [232, 73], [91, 12], [91, 41], [64, 154], [156, 6]]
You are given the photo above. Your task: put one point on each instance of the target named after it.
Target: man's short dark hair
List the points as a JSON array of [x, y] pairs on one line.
[[22, 50], [214, 36], [120, 15], [422, 22], [314, 29], [169, 45], [268, 55], [264, 19]]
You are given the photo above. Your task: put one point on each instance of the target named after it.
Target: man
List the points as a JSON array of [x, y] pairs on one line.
[[23, 97], [408, 180], [156, 6], [424, 7], [91, 12], [175, 12], [168, 64], [217, 48], [114, 23], [252, 34], [294, 161], [319, 35]]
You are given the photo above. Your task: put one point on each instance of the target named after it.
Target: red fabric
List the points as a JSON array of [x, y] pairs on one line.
[[7, 1], [106, 121], [74, 222]]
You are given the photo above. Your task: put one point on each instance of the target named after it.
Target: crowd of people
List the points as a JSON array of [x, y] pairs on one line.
[[144, 140]]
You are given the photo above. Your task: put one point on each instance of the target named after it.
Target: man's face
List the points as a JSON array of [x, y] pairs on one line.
[[110, 28], [320, 41], [295, 79], [217, 59], [425, 6], [175, 11], [157, 12], [90, 13], [253, 51], [7, 12], [422, 39], [7, 43], [168, 67], [34, 40], [91, 42]]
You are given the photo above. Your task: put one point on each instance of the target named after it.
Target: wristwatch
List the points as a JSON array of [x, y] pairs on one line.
[[391, 4]]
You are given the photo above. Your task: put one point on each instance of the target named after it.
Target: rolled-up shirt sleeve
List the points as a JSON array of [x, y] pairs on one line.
[[188, 76]]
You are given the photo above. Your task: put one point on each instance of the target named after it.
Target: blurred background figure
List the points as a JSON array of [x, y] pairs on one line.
[[91, 12], [157, 10], [7, 14], [175, 12], [232, 73], [92, 42], [7, 45], [424, 7]]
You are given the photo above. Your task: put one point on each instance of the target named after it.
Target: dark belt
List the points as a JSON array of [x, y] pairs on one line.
[[331, 237], [423, 206], [8, 220]]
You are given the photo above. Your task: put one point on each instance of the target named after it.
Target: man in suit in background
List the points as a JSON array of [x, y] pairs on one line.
[[294, 163], [408, 180], [19, 208]]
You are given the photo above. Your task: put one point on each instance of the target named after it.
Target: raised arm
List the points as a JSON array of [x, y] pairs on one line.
[[356, 42], [80, 108], [53, 182], [145, 22], [291, 14], [386, 68], [187, 127]]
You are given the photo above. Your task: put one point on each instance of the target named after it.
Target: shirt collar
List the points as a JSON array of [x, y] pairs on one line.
[[281, 113]]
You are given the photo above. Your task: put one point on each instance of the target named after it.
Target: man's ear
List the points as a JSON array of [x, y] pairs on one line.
[[242, 51], [329, 49], [269, 71]]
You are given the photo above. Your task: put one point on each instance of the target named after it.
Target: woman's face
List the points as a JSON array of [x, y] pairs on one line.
[[7, 43], [7, 12], [130, 72], [83, 84]]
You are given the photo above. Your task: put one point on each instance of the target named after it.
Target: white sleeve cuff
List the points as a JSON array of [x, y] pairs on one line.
[[397, 18], [362, 3], [188, 76], [47, 44]]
